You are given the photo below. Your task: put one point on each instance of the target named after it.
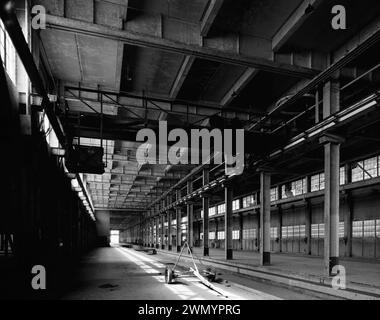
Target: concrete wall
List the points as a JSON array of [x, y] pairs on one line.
[[103, 227]]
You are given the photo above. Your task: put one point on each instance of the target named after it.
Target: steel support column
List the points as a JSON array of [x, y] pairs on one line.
[[162, 231], [205, 205], [265, 179], [228, 195], [331, 103], [178, 222], [169, 213], [190, 226]]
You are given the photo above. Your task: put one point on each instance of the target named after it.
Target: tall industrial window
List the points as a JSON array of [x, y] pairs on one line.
[[235, 234], [299, 187], [318, 230], [115, 236], [249, 201], [341, 229], [378, 228], [342, 176], [273, 194], [294, 189], [366, 169], [211, 211], [249, 234], [318, 182], [293, 231], [369, 228], [8, 53], [221, 208], [357, 229], [221, 235], [274, 233], [236, 205], [211, 235]]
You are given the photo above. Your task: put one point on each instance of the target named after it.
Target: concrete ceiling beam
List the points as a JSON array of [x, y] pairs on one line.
[[210, 15], [240, 84], [294, 23], [145, 40]]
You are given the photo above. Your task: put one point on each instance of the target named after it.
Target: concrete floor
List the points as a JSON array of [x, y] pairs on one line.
[[362, 272], [117, 273]]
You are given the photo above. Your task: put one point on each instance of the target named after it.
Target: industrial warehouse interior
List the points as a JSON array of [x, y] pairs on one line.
[[214, 150]]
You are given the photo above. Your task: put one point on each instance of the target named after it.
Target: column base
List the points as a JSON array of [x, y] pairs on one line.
[[229, 254], [178, 248], [170, 248], [334, 261], [206, 252], [265, 259]]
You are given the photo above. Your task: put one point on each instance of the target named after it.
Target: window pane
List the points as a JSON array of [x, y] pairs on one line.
[[370, 168], [341, 229], [369, 228], [302, 231], [314, 230], [342, 174], [236, 205], [284, 231], [315, 183], [321, 230], [273, 194], [357, 229], [273, 232], [357, 172]]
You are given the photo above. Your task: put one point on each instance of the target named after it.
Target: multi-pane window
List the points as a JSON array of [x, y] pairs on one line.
[[293, 231], [299, 187], [212, 211], [314, 231], [235, 205], [366, 169], [221, 208], [8, 53], [302, 231], [318, 230], [370, 168], [369, 228], [274, 194], [235, 234], [221, 235], [318, 182], [249, 234], [284, 231], [366, 229], [357, 171], [211, 235], [274, 233], [249, 201], [201, 235], [341, 229], [294, 189], [357, 229], [342, 176]]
